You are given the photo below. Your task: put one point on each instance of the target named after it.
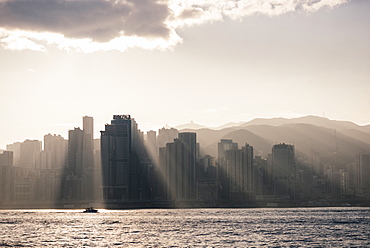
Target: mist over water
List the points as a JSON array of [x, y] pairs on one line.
[[313, 227]]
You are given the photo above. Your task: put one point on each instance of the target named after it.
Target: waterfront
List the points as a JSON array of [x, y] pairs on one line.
[[313, 227]]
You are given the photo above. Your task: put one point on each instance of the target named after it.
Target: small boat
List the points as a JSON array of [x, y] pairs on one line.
[[90, 210]]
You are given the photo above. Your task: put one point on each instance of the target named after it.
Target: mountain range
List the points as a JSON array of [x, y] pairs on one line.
[[335, 141]]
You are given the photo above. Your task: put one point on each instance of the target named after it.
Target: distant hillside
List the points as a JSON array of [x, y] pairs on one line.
[[270, 122], [228, 125], [338, 141], [190, 125], [241, 136], [314, 120]]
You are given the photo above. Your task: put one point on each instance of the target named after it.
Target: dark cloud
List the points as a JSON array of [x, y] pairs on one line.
[[155, 22], [99, 20]]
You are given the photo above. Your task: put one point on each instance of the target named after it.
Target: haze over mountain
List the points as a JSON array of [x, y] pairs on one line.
[[190, 125], [336, 141]]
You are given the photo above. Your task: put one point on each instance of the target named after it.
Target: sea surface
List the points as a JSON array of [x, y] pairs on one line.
[[281, 227]]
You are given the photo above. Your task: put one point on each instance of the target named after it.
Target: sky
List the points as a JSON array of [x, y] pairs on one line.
[[169, 62]]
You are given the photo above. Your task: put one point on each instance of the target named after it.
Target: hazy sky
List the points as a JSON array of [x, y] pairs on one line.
[[170, 62]]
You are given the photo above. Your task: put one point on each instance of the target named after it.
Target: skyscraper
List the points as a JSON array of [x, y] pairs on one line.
[[6, 176], [166, 136], [6, 158], [80, 176], [121, 144], [283, 162], [175, 163], [240, 172], [72, 186], [55, 147], [362, 173], [75, 148], [88, 130], [16, 149], [190, 141], [248, 168], [29, 153], [89, 172], [180, 167], [151, 143], [223, 146]]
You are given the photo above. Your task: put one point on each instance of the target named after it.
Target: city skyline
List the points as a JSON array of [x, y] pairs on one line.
[[173, 170], [209, 64], [274, 121]]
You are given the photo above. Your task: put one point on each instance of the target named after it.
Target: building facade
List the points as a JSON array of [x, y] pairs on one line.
[[121, 153], [223, 170], [362, 173], [283, 162]]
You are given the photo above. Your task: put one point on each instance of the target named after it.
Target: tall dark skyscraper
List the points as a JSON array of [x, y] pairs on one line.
[[89, 171], [248, 169], [190, 141], [121, 145], [180, 167], [362, 173], [80, 173], [223, 146], [88, 130], [175, 163], [6, 176], [75, 148], [283, 162], [72, 188]]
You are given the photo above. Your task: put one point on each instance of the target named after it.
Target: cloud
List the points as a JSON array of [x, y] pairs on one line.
[[92, 25], [96, 19], [20, 43], [198, 11]]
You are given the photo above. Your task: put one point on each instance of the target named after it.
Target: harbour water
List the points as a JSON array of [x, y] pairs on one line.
[[280, 227]]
